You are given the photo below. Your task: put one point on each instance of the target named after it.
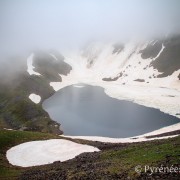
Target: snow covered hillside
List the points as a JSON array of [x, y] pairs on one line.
[[153, 63]]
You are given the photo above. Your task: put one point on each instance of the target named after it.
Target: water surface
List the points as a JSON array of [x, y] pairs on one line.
[[88, 111]]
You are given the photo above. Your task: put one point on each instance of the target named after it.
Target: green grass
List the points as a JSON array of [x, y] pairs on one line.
[[17, 111], [149, 153], [121, 160], [9, 139]]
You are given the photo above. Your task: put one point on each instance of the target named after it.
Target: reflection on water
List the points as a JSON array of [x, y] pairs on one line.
[[89, 111]]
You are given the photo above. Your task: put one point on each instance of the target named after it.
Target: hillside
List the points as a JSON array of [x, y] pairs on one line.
[[17, 110]]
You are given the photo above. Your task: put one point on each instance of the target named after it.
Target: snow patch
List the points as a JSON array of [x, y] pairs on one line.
[[8, 129], [30, 67], [52, 55], [55, 85], [163, 47], [78, 86], [36, 153], [35, 98], [118, 140], [154, 42]]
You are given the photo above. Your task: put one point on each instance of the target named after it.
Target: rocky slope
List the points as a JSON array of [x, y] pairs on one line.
[[17, 110]]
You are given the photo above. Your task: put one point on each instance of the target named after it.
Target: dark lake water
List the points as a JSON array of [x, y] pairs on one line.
[[88, 111]]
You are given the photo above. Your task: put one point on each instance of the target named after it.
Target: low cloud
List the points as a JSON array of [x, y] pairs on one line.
[[63, 24]]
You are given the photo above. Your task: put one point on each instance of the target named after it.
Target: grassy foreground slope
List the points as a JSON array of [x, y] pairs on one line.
[[9, 139], [114, 161], [18, 112]]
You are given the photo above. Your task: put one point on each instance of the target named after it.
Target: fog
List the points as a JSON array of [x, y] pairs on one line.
[[65, 24]]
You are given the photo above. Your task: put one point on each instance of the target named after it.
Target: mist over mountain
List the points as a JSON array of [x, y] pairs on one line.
[[65, 24], [52, 44]]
